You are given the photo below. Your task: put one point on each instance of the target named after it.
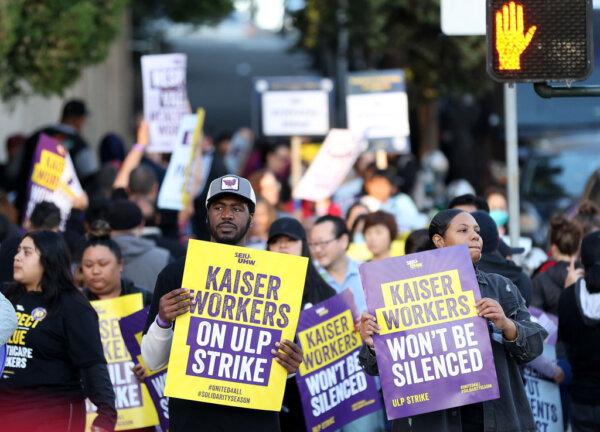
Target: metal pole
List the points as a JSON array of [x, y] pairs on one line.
[[341, 61], [512, 162]]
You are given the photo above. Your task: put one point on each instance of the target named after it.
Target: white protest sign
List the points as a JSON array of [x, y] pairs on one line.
[[377, 108], [544, 397], [165, 98], [330, 167], [463, 17], [294, 106], [173, 193]]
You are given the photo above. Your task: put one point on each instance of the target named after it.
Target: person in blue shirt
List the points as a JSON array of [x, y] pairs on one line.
[[328, 241]]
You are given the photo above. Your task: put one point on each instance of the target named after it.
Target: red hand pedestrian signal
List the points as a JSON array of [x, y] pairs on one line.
[[511, 41]]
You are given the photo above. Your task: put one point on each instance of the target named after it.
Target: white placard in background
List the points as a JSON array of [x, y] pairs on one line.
[[295, 113], [165, 98], [330, 167]]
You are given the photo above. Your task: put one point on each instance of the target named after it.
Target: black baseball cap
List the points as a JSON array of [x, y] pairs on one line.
[[288, 227]]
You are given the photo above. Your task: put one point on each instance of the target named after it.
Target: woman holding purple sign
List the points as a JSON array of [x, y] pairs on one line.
[[515, 340], [56, 347]]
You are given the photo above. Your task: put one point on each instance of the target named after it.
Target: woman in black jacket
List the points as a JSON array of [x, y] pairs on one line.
[[514, 338], [55, 358]]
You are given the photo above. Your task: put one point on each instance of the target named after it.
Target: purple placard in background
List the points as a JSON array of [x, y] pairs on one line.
[[337, 392], [155, 381], [548, 321], [226, 341], [446, 359]]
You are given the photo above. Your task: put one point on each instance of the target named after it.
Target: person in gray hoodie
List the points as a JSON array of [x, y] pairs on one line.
[[579, 330], [142, 259]]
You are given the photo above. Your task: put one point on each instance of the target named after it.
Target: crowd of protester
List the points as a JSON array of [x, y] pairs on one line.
[[117, 241]]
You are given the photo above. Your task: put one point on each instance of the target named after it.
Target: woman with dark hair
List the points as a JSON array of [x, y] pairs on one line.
[[102, 265], [287, 235], [55, 358], [549, 283], [515, 340], [579, 331], [380, 230]]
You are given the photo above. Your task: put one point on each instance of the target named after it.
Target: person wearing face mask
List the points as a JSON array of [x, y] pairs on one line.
[[515, 340], [498, 205]]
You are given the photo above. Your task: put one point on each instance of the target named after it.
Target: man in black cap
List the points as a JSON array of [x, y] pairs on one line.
[[494, 261], [230, 205], [142, 259]]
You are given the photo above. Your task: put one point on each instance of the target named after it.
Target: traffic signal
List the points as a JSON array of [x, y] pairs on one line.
[[539, 40]]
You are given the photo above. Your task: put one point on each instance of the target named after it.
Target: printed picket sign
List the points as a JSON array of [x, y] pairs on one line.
[[53, 178], [132, 327], [246, 300], [135, 408], [334, 388], [433, 351], [165, 98]]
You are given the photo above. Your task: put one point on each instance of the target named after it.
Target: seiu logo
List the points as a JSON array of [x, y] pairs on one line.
[[244, 258], [414, 264], [322, 311]]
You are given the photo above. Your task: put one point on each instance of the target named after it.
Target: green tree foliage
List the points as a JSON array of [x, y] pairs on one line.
[[397, 33], [44, 44]]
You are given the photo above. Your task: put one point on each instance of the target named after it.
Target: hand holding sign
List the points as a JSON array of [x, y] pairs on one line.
[[289, 355], [491, 309], [368, 327], [175, 303]]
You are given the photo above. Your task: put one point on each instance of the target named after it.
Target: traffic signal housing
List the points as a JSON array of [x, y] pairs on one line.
[[539, 40]]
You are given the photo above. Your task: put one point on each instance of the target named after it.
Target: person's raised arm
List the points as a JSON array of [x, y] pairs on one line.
[[134, 157]]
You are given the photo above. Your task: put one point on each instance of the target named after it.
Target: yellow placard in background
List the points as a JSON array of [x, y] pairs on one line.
[[135, 408]]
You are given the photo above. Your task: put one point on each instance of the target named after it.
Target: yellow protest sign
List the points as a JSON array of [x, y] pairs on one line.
[[135, 408], [246, 300]]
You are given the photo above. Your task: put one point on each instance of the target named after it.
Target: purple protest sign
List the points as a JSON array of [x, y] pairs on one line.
[[2, 358], [53, 178], [131, 330], [333, 387], [546, 320], [433, 351]]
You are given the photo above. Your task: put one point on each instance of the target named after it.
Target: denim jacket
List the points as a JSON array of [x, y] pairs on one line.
[[511, 412]]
